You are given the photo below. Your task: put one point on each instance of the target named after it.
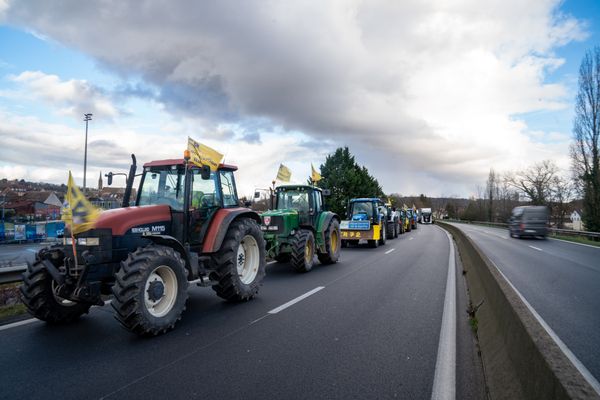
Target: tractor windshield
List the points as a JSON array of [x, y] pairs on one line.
[[294, 199], [361, 211], [163, 186]]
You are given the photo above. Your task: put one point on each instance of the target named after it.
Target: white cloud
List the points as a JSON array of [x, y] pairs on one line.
[[72, 97], [423, 91]]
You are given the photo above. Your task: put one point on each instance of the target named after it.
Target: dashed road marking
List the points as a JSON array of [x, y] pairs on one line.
[[411, 238], [296, 300], [389, 251], [536, 248]]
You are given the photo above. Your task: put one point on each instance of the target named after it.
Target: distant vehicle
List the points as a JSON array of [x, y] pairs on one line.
[[408, 213], [367, 220], [415, 218], [528, 221], [426, 216]]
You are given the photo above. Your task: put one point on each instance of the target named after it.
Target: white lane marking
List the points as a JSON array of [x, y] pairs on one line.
[[18, 323], [272, 262], [32, 250], [572, 357], [535, 248], [580, 244], [297, 299], [389, 251], [411, 238], [444, 380]]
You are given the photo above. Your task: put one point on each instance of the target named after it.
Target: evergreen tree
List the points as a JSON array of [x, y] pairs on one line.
[[346, 180]]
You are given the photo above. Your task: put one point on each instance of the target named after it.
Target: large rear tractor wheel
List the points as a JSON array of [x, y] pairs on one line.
[[240, 263], [303, 251], [383, 238], [332, 243], [150, 290], [389, 233], [396, 229], [39, 296]]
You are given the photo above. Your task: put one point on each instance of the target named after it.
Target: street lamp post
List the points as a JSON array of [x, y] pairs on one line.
[[86, 118]]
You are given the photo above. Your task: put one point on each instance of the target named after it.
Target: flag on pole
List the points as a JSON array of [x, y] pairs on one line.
[[315, 176], [201, 154], [284, 174], [77, 211]]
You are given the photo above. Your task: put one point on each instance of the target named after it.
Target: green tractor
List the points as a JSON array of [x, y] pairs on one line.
[[298, 227]]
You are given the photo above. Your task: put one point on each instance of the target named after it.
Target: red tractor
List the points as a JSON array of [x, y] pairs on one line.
[[186, 227]]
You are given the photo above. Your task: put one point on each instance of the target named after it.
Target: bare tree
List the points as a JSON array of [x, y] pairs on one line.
[[562, 193], [586, 133], [535, 182]]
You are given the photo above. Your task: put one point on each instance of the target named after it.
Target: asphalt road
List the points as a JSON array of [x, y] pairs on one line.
[[369, 329], [561, 281], [18, 253]]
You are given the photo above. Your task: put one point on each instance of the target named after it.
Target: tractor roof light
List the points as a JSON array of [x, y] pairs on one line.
[[186, 155]]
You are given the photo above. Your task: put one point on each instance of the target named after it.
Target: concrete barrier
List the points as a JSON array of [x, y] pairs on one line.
[[520, 358]]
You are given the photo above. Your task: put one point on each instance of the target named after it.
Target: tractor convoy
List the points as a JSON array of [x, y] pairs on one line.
[[187, 227]]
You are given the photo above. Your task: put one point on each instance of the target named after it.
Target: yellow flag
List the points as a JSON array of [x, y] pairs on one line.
[[77, 211], [203, 155], [315, 176], [284, 174]]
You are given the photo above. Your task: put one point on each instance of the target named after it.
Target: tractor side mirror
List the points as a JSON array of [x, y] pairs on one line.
[[326, 192], [257, 195], [109, 177], [205, 172]]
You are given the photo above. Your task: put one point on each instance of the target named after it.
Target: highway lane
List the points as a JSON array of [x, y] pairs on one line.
[[18, 253], [561, 280], [371, 331]]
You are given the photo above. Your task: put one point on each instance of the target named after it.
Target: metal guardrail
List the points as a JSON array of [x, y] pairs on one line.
[[553, 231], [12, 273]]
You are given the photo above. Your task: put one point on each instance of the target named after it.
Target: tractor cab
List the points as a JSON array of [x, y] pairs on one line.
[[192, 193], [306, 201]]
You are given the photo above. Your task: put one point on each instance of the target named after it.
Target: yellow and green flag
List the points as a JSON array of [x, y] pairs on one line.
[[77, 211], [201, 154], [284, 174], [314, 176]]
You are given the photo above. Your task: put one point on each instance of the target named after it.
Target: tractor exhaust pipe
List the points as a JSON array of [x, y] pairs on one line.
[[130, 178]]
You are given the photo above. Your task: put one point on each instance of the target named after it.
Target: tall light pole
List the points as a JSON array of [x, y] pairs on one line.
[[86, 118]]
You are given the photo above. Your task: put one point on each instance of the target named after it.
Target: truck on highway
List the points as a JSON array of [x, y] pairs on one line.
[[367, 220], [426, 216], [528, 221]]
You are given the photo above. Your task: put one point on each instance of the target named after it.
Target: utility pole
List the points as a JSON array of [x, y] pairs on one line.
[[86, 118]]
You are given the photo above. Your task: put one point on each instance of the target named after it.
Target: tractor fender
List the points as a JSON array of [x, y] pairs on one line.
[[170, 241], [324, 221], [322, 224], [220, 224]]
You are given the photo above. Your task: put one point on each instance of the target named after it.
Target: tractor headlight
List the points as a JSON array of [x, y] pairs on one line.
[[90, 241]]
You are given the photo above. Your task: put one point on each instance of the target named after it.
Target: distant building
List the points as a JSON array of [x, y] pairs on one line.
[[576, 222], [100, 182]]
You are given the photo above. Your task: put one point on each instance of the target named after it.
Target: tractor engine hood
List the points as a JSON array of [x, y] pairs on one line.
[[120, 220], [279, 221]]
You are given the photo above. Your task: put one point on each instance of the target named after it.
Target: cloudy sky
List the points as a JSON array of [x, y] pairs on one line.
[[429, 95]]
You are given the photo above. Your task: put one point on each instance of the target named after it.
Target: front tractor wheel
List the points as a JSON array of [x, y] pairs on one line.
[[240, 262], [332, 244], [303, 251], [39, 294], [150, 290]]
